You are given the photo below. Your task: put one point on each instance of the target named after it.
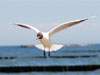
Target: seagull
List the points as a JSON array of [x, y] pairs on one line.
[[44, 37]]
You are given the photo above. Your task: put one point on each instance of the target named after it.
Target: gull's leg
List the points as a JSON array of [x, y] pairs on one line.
[[44, 53], [49, 52]]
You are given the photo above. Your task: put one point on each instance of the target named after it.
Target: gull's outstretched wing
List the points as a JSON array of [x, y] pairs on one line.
[[65, 26], [28, 27]]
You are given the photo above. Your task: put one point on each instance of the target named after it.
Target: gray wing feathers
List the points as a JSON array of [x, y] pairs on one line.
[[64, 26], [28, 27]]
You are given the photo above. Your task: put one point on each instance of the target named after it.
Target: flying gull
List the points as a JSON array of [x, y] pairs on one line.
[[44, 37]]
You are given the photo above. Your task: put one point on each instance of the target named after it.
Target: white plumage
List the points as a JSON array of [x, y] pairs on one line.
[[44, 38]]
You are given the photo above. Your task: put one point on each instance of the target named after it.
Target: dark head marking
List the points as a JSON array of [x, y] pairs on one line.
[[39, 35]]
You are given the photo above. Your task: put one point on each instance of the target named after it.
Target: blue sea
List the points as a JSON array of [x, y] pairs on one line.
[[26, 57]]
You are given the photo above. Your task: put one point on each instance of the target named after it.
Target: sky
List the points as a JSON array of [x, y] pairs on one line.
[[45, 14]]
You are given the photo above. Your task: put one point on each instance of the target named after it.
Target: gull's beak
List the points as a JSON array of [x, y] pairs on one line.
[[36, 38]]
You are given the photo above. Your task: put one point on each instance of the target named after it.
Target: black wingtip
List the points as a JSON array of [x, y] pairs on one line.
[[17, 24], [23, 26], [84, 19]]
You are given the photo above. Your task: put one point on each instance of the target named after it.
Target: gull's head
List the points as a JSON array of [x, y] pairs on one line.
[[39, 35]]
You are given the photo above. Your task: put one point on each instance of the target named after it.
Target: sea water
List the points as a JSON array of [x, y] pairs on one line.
[[24, 56]]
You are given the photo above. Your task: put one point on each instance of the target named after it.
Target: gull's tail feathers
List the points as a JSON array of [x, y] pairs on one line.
[[54, 47]]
